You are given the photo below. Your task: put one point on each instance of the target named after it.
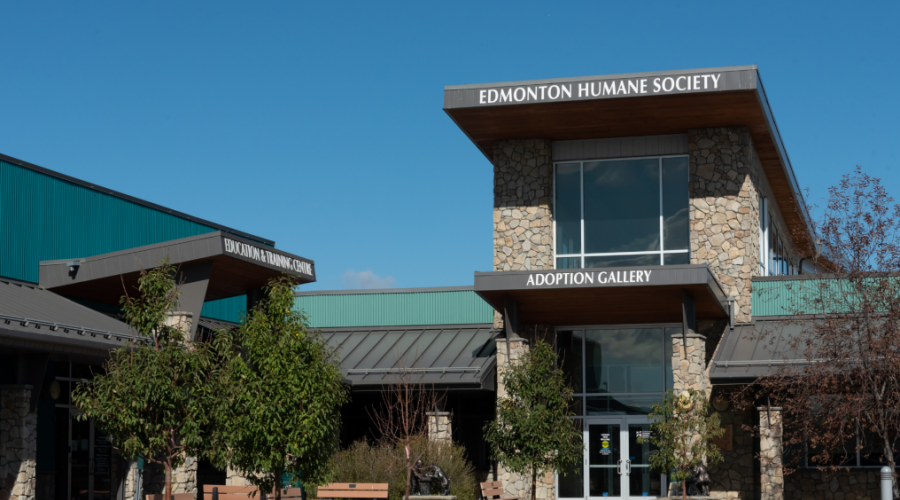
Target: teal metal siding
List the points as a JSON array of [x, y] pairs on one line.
[[45, 218], [229, 309], [800, 296], [395, 309]]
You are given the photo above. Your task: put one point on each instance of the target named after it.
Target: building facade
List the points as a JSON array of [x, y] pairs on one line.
[[647, 225], [67, 247]]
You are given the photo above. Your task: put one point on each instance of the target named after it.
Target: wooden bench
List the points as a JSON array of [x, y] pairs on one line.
[[493, 490], [353, 490], [175, 496], [291, 493], [230, 492]]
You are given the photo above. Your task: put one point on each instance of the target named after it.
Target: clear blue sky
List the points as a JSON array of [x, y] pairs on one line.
[[319, 125]]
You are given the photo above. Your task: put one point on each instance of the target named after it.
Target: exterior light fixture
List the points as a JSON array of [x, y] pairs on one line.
[[54, 390], [73, 265], [720, 404]]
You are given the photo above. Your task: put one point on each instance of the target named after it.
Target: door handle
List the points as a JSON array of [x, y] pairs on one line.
[[619, 466], [628, 467]]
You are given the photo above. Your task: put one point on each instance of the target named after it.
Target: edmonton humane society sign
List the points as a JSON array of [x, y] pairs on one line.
[[599, 88]]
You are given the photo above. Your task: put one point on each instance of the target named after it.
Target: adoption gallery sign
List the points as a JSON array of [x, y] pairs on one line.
[[588, 277], [252, 252]]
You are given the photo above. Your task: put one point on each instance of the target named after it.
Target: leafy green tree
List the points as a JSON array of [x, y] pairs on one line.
[[682, 428], [533, 433], [154, 396], [280, 401]]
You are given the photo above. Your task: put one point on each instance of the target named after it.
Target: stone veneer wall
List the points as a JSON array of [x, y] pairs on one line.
[[847, 484], [18, 444], [724, 180], [771, 454], [516, 485], [184, 478], [735, 477], [234, 478], [523, 192], [439, 428], [690, 372]]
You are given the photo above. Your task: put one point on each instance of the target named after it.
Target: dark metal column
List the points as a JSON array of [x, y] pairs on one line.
[[688, 320], [511, 318], [193, 280]]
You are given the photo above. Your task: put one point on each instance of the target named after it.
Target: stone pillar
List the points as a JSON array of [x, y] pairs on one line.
[[516, 485], [180, 320], [234, 478], [131, 475], [184, 478], [18, 443], [523, 191], [724, 192], [439, 426], [690, 373], [771, 458]]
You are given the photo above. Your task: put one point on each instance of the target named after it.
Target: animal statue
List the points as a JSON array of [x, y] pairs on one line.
[[697, 483], [443, 480], [429, 480], [419, 482]]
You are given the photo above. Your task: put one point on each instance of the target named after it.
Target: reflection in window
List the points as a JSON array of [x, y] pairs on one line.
[[615, 213], [571, 481], [619, 361]]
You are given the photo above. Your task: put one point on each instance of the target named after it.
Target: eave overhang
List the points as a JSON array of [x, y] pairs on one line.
[[238, 265], [737, 99], [609, 296]]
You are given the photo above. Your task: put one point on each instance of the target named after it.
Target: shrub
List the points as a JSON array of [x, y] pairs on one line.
[[362, 462]]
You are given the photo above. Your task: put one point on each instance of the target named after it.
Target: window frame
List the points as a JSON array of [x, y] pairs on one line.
[[583, 395], [662, 252]]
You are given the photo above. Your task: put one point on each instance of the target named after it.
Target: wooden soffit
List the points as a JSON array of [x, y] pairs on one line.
[[639, 105]]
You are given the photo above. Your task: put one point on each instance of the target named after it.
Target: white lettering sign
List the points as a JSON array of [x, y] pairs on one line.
[[600, 88], [267, 257], [589, 277]]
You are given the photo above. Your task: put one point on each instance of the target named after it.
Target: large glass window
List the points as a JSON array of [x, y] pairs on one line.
[[612, 213], [774, 255], [620, 371]]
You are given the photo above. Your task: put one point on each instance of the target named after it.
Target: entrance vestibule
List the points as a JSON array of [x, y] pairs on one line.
[[617, 374]]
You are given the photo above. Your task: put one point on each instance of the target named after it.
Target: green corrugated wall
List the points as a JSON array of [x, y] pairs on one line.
[[46, 218], [799, 296], [229, 309], [395, 309]]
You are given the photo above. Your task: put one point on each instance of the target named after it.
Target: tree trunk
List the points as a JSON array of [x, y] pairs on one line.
[[279, 474], [533, 484], [684, 489], [168, 479]]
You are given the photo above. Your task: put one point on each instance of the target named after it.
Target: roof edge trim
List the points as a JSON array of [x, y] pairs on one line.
[[723, 69]]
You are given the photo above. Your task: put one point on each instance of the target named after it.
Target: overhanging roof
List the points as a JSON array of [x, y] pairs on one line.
[[445, 356], [605, 296], [737, 98], [32, 318], [755, 349], [239, 265]]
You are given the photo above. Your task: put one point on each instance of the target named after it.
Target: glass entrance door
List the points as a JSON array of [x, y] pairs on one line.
[[616, 464], [86, 473]]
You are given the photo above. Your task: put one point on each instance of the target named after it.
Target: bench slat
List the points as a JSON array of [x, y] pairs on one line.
[[207, 488], [175, 496], [353, 494], [492, 484], [492, 492], [355, 486]]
